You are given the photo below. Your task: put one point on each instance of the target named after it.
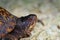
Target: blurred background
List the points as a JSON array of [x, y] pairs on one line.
[[46, 10]]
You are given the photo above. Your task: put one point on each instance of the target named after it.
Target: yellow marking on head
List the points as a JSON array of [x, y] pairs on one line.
[[9, 29], [1, 23], [11, 16], [12, 23]]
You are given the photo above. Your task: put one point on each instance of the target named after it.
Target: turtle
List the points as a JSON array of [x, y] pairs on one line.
[[14, 28], [23, 28]]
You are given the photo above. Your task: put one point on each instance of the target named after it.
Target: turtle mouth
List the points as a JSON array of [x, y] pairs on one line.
[[32, 19], [32, 22]]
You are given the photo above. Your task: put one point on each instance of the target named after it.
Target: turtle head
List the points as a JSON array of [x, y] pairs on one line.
[[27, 23]]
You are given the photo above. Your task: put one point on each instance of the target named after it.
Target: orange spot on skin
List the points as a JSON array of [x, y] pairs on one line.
[[31, 27], [12, 23], [9, 29], [1, 9], [11, 16], [1, 23]]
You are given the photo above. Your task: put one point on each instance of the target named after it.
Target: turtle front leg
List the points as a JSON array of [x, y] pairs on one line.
[[9, 37]]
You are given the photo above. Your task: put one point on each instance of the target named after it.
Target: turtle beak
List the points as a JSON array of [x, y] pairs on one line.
[[32, 19]]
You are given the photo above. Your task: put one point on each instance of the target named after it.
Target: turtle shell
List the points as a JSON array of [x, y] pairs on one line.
[[7, 22]]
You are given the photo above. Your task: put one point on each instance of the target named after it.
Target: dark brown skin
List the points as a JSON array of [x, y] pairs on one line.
[[23, 28]]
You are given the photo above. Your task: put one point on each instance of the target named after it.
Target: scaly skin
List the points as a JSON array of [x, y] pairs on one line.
[[7, 22], [23, 27], [14, 28]]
